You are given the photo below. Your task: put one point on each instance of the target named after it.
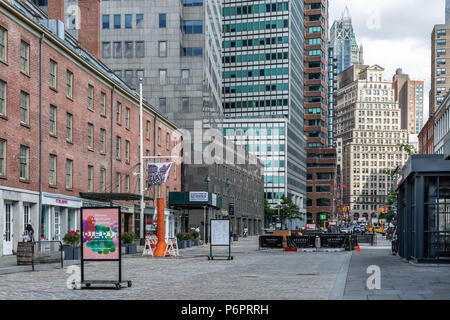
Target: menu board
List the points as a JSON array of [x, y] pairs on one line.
[[220, 232], [100, 233]]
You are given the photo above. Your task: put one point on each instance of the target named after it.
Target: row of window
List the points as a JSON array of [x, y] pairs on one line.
[[128, 21], [275, 131], [256, 26], [256, 57], [255, 9], [255, 73], [256, 103], [255, 42], [257, 88], [323, 202], [127, 49]]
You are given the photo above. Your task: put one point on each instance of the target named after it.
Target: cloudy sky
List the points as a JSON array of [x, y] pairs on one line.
[[395, 33]]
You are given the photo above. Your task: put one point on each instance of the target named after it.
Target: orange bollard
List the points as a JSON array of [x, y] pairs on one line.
[[160, 230]]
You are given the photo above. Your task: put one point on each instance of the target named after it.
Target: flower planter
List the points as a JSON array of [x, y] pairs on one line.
[[196, 242], [129, 248], [71, 253], [181, 244], [188, 243]]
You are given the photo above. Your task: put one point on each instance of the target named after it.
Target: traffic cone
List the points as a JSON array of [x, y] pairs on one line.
[[359, 249]]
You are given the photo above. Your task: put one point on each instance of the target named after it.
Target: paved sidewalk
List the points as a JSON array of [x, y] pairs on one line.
[[400, 280]]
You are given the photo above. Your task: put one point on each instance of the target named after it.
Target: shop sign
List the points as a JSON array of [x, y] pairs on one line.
[[214, 200], [198, 196]]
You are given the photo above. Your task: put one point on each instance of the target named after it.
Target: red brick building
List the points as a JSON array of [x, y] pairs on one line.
[[321, 160], [426, 137], [68, 126]]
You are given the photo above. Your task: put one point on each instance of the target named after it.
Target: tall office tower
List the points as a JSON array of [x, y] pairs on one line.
[[368, 122], [332, 86], [440, 58], [263, 100], [409, 95], [321, 160], [447, 11], [175, 47], [343, 39]]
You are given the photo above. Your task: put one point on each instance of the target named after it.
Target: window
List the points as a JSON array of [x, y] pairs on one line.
[[162, 20], [162, 77], [118, 142], [103, 104], [103, 141], [185, 76], [129, 76], [90, 186], [119, 113], [147, 130], [52, 126], [192, 3], [69, 84], [105, 21], [53, 73], [162, 105], [127, 151], [24, 163], [167, 141], [69, 127], [117, 21], [24, 108], [193, 26], [193, 52], [127, 183], [117, 50], [163, 48], [127, 118], [140, 49], [159, 137], [118, 181], [3, 45], [106, 49], [128, 49], [140, 75], [24, 57], [185, 105], [128, 21], [2, 98], [2, 158], [90, 136], [91, 97], [139, 20], [102, 179], [69, 172], [175, 170]]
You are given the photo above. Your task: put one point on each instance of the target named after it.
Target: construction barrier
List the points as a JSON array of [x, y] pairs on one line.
[[274, 242]]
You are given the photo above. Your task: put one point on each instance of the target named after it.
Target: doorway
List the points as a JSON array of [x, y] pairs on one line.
[[8, 230]]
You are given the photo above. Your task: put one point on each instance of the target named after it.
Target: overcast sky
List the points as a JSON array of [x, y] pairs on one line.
[[395, 34]]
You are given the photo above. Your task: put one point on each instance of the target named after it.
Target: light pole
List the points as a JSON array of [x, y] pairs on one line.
[[141, 161], [207, 180]]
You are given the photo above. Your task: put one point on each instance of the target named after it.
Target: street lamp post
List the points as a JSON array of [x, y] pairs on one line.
[[207, 180], [141, 161]]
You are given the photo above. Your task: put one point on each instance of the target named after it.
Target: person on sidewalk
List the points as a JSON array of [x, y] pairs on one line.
[[245, 231], [28, 235]]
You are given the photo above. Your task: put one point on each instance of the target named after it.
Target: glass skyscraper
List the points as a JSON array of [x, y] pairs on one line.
[[263, 94]]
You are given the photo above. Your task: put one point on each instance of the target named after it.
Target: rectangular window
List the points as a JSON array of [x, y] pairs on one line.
[[163, 48], [140, 75], [52, 120], [159, 137], [24, 57], [147, 130], [103, 141], [117, 50], [162, 77], [103, 104], [91, 97], [117, 21], [69, 84], [128, 21], [2, 158], [106, 49], [3, 98], [105, 21], [127, 151], [140, 49], [185, 105], [139, 21], [167, 141], [193, 26], [24, 108], [127, 184], [185, 76], [127, 118], [69, 127], [118, 182], [24, 163], [119, 113], [128, 49], [90, 136], [162, 105], [69, 174], [3, 45], [90, 186], [102, 179], [162, 20], [53, 73], [129, 76], [118, 142]]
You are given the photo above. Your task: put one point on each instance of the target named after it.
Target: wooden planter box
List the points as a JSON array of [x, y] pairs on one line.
[[129, 248], [71, 253]]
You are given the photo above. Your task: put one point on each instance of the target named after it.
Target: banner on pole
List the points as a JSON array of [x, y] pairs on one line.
[[158, 173]]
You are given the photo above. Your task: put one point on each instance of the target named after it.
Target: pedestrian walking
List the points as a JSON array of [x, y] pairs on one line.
[[28, 235], [245, 231]]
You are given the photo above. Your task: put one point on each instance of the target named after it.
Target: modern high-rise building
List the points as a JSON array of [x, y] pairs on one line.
[[440, 57], [409, 94], [447, 11], [332, 87], [343, 39], [321, 160], [263, 96], [368, 122]]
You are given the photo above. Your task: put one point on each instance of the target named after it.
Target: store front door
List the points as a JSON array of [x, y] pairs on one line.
[[7, 230]]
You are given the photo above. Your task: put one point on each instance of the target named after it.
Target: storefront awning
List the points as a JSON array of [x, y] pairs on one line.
[[108, 196]]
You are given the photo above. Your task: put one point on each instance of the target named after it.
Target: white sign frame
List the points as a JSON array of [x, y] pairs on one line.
[[219, 235]]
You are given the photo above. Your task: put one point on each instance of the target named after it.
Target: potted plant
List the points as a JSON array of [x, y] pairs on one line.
[[195, 236], [180, 240], [72, 245], [128, 243]]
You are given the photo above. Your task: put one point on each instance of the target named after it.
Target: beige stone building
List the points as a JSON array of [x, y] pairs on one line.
[[368, 120]]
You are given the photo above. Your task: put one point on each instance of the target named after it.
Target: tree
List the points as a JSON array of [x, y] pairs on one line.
[[289, 210], [268, 211]]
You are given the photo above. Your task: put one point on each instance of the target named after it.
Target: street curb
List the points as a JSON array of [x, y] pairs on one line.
[[341, 281]]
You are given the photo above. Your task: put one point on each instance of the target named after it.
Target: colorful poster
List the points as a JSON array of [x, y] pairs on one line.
[[100, 233]]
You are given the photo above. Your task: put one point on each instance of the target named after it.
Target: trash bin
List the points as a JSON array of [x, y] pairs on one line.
[[235, 237], [317, 242]]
